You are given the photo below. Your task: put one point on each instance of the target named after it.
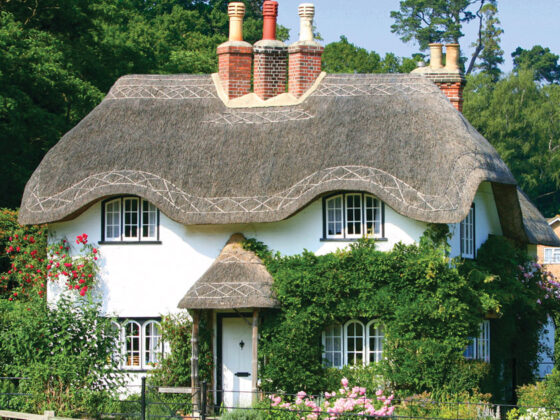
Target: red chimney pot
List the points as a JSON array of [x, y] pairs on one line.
[[270, 13]]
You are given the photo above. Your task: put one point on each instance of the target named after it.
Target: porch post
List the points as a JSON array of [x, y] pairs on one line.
[[195, 383], [254, 365]]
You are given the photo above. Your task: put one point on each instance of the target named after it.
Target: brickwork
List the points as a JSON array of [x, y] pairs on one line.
[[234, 68], [454, 91], [269, 76], [304, 67]]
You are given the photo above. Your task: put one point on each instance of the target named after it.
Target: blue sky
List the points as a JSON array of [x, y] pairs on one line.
[[367, 24]]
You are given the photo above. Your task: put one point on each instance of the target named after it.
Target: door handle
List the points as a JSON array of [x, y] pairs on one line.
[[242, 374]]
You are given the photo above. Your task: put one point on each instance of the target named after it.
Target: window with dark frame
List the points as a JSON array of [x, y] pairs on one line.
[[353, 215], [129, 220]]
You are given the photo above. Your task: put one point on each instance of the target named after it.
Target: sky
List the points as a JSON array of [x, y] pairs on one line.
[[367, 24]]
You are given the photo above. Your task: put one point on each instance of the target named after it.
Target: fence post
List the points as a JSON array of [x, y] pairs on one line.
[[143, 400], [203, 399]]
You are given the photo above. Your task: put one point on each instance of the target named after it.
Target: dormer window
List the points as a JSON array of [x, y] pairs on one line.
[[130, 220], [467, 229], [352, 216]]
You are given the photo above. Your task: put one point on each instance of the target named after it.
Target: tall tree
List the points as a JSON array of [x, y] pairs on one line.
[[520, 118], [427, 21], [540, 60], [488, 43]]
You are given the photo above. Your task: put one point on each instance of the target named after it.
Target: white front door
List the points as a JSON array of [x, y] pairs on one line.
[[236, 362]]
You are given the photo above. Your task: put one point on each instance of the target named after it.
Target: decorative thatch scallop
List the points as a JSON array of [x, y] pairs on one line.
[[237, 279], [171, 140]]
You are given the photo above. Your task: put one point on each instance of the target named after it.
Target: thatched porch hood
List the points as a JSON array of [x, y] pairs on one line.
[[237, 279], [171, 140]]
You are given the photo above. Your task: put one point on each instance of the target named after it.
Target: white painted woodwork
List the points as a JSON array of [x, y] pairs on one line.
[[236, 359]]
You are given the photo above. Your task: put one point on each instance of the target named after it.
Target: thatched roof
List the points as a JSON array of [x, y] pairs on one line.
[[237, 279], [171, 140]]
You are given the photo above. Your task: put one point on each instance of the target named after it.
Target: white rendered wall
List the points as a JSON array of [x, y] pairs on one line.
[[149, 280], [487, 221]]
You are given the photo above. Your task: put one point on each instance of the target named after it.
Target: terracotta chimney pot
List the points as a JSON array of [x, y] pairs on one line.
[[452, 57], [236, 11], [435, 56], [270, 13]]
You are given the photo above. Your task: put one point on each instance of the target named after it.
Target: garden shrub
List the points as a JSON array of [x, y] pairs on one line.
[[174, 370], [67, 352]]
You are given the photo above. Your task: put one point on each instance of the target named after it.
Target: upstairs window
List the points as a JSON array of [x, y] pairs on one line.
[[467, 229], [551, 256], [353, 344], [130, 219], [479, 347], [352, 216]]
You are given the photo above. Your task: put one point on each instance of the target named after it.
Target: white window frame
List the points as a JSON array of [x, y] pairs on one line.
[[355, 352], [553, 256], [467, 229], [112, 212], [334, 215], [367, 350], [479, 347], [140, 216], [148, 353], [375, 350], [152, 346], [134, 351], [330, 334]]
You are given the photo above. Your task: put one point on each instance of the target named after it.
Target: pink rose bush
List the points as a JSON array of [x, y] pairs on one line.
[[347, 400]]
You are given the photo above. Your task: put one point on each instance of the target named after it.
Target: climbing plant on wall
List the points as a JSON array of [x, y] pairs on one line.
[[428, 305]]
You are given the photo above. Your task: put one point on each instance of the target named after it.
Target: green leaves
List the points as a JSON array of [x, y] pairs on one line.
[[520, 118]]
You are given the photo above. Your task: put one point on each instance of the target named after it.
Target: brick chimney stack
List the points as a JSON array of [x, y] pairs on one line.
[[269, 76], [449, 79], [235, 56], [305, 55]]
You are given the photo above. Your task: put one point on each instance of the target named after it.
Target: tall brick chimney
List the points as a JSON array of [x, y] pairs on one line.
[[305, 55], [235, 56], [449, 79], [269, 76]]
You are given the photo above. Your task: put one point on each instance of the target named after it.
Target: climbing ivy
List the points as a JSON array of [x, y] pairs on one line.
[[428, 304]]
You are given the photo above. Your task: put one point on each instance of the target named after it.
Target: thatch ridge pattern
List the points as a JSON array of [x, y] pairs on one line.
[[165, 194], [171, 140]]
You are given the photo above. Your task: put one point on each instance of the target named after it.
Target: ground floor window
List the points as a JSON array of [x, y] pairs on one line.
[[479, 347], [140, 343], [353, 343]]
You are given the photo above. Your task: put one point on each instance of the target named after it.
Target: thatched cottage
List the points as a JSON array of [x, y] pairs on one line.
[[168, 171]]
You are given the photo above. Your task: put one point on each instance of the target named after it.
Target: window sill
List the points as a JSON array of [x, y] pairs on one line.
[[129, 242], [350, 239]]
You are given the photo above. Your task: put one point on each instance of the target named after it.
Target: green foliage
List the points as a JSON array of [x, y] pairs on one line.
[[9, 228], [428, 306], [345, 57], [59, 57], [428, 311], [541, 61], [491, 54], [175, 368], [66, 351], [464, 405], [511, 280], [519, 117]]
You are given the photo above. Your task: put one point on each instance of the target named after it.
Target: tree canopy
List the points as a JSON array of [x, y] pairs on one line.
[[540, 60]]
